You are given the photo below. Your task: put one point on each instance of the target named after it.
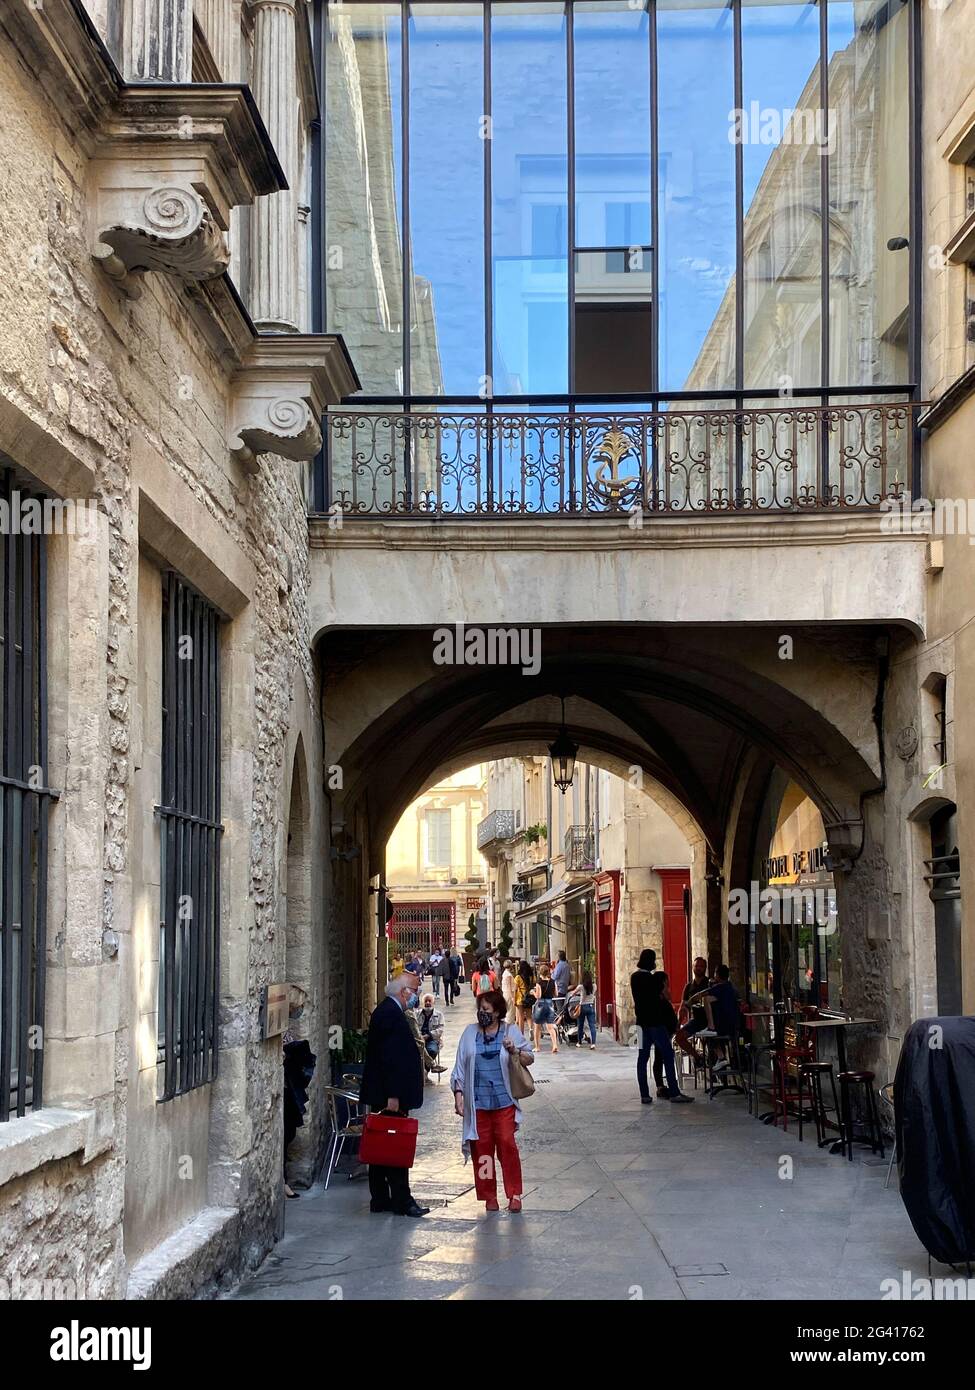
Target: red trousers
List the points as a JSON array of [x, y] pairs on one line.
[[496, 1144]]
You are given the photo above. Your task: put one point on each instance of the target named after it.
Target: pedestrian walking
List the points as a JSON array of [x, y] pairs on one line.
[[543, 1010], [585, 995], [436, 956], [562, 975], [456, 970], [392, 1080], [508, 990], [445, 976], [524, 983], [483, 978], [482, 1087]]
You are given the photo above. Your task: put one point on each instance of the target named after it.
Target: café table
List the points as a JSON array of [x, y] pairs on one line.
[[839, 1025]]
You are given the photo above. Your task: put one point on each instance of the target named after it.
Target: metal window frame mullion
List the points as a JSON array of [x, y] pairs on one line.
[[44, 809], [824, 257], [213, 926], [8, 792], [196, 895], [27, 811], [168, 888], [739, 84]]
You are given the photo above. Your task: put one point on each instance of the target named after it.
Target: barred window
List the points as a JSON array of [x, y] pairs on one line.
[[189, 945], [24, 805]]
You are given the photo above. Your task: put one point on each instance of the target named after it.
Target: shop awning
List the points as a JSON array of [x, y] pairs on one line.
[[560, 892]]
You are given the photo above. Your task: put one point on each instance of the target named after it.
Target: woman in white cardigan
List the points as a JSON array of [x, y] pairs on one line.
[[482, 1096]]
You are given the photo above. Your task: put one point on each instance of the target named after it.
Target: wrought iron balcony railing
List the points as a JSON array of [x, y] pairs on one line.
[[580, 848], [497, 825], [449, 462]]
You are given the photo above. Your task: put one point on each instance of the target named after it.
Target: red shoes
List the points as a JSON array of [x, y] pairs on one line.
[[491, 1206], [515, 1204]]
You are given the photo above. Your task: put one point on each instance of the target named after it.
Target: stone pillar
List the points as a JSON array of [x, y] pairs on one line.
[[274, 243], [157, 40]]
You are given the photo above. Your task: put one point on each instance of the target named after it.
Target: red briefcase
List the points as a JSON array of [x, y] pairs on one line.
[[389, 1140]]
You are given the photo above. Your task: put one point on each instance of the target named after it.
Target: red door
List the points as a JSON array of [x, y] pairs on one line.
[[607, 909], [676, 892]]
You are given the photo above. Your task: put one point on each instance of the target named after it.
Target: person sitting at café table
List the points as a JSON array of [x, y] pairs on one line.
[[722, 1005], [694, 1015]]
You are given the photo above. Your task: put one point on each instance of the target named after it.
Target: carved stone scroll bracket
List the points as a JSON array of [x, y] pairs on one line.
[[170, 230], [281, 391], [169, 165]]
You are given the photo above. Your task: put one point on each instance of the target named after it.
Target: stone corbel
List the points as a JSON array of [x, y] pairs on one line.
[[170, 163], [280, 393]]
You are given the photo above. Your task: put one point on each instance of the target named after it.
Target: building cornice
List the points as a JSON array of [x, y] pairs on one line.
[[613, 533]]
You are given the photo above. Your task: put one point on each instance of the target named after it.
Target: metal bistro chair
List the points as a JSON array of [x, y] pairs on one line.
[[886, 1094], [345, 1116]]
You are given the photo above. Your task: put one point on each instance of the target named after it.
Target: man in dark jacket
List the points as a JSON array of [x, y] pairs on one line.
[[392, 1080], [445, 972]]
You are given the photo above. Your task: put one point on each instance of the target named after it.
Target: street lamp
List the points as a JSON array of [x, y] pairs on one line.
[[563, 754]]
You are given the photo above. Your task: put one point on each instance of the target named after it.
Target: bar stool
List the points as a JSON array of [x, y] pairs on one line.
[[870, 1118], [812, 1073]]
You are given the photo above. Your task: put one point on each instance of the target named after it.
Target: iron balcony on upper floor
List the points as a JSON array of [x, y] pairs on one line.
[[747, 458]]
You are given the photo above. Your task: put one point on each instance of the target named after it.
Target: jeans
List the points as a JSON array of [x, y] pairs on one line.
[[659, 1040], [432, 1046], [587, 1014], [495, 1144]]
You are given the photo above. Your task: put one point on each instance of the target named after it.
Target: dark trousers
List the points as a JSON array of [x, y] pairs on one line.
[[390, 1187], [448, 991], [663, 1056]]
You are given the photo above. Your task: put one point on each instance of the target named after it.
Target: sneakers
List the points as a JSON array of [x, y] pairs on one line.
[[515, 1204], [438, 1068], [681, 1099], [723, 1065], [706, 1033]]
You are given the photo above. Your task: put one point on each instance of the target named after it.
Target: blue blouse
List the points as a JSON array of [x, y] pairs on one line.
[[490, 1092]]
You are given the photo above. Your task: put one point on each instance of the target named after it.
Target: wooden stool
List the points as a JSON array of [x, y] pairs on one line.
[[812, 1074]]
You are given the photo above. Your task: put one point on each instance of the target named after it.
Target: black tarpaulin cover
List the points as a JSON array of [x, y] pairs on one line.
[[934, 1110]]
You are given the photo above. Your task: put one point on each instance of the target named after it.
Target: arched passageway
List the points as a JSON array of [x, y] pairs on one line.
[[706, 717]]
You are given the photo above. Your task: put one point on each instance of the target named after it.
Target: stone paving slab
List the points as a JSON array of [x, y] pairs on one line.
[[622, 1202]]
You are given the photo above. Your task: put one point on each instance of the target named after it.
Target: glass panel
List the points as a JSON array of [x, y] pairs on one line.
[[869, 197], [696, 194], [784, 136], [363, 190], [529, 211], [612, 171], [447, 142]]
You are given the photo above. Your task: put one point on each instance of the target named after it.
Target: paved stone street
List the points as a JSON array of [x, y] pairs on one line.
[[622, 1201]]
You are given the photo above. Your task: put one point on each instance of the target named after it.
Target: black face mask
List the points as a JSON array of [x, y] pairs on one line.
[[485, 1017]]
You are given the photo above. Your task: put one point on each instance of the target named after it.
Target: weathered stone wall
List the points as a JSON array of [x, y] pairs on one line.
[[129, 392]]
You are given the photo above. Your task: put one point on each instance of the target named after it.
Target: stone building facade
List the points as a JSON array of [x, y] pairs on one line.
[[138, 376]]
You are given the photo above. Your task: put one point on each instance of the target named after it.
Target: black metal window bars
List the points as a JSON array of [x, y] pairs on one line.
[[25, 801], [191, 832]]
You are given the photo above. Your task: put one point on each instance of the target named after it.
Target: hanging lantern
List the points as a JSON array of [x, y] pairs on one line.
[[563, 752]]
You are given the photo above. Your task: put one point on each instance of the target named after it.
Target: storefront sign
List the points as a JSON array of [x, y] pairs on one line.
[[789, 867], [474, 904]]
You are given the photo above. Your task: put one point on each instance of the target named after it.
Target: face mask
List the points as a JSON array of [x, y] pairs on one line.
[[412, 1002], [485, 1017]]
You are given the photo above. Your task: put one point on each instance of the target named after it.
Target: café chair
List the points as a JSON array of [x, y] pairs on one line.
[[850, 1081], [886, 1094], [786, 1062]]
